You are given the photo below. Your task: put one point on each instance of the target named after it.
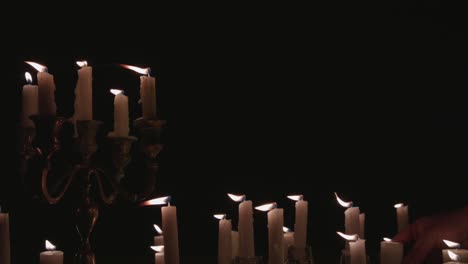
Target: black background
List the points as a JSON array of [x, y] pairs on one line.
[[263, 101]]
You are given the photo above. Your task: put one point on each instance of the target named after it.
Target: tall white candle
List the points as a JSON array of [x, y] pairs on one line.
[[300, 226], [275, 233], [224, 241], [362, 225], [148, 96], [288, 241], [121, 119], [159, 239], [245, 226], [402, 216], [51, 256], [352, 222], [29, 102], [171, 234], [391, 252], [84, 92], [358, 251], [4, 238], [235, 243]]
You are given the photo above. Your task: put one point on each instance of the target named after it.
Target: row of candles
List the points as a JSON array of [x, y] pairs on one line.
[[40, 99]]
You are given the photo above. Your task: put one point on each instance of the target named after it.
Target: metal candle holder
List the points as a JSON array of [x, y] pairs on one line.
[[71, 165]]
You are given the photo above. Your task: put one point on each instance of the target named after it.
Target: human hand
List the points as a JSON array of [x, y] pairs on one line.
[[428, 233]]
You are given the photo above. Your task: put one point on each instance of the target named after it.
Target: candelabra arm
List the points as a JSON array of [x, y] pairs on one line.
[[107, 199], [45, 190]]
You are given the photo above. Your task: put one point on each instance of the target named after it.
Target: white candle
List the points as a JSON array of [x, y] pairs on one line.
[[288, 241], [402, 216], [235, 243], [4, 238], [121, 119], [159, 239], [390, 252], [462, 253], [84, 92], [51, 256], [352, 223], [29, 102], [46, 90], [358, 251], [362, 225], [275, 233], [300, 226], [159, 257], [171, 234], [148, 96], [245, 226], [224, 242]]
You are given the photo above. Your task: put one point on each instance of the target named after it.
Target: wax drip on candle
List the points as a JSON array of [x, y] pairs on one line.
[[237, 198], [343, 203], [220, 216], [298, 197], [266, 207], [37, 66]]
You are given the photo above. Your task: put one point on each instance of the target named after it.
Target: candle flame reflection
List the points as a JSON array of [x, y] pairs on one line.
[[37, 66], [266, 207], [49, 246], [158, 229], [343, 203], [387, 239], [145, 71], [454, 256], [157, 201], [286, 229], [116, 91], [236, 198], [451, 244], [299, 197], [220, 216], [82, 63], [28, 77], [158, 248], [398, 205], [348, 237]]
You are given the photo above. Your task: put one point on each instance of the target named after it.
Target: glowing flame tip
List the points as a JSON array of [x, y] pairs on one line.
[[136, 69], [158, 229], [49, 246], [451, 244], [37, 66], [158, 248], [220, 216], [387, 239], [157, 201], [348, 237], [298, 197], [236, 198], [28, 77], [266, 207], [82, 63], [116, 91], [453, 256], [399, 205], [343, 203], [286, 229]]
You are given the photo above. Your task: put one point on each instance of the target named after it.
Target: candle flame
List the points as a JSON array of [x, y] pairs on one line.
[[399, 205], [137, 69], [49, 246], [266, 207], [158, 248], [220, 216], [37, 66], [348, 237], [343, 203], [299, 197], [158, 229], [286, 229], [453, 256], [387, 239], [236, 198], [116, 91], [157, 201], [451, 244], [28, 77], [82, 63]]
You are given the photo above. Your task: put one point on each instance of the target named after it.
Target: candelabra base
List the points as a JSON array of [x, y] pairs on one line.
[[346, 258], [85, 256], [299, 255], [247, 260]]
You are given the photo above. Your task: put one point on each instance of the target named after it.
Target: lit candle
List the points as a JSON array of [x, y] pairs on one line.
[[357, 248], [4, 238], [159, 239], [29, 102], [159, 255], [352, 222], [402, 216], [454, 247], [390, 252], [454, 258], [235, 243], [245, 227], [169, 228], [46, 90], [275, 233], [288, 240], [84, 92], [362, 225], [121, 121], [51, 256], [300, 227], [147, 91], [224, 240]]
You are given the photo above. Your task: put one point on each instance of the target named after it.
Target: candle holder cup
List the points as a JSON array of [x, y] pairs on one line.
[[299, 255], [247, 260], [79, 167], [346, 258]]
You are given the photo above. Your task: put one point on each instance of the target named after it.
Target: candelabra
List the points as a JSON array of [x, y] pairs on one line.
[[68, 159]]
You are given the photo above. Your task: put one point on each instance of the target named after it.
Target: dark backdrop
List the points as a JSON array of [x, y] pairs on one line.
[[261, 102]]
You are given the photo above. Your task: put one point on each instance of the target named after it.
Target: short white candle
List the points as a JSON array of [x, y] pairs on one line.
[[245, 226], [121, 118], [84, 92], [29, 102], [300, 226], [275, 233], [224, 240], [51, 256], [358, 251], [147, 91], [159, 257], [235, 243], [4, 238], [402, 216], [288, 237], [171, 234], [390, 252]]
